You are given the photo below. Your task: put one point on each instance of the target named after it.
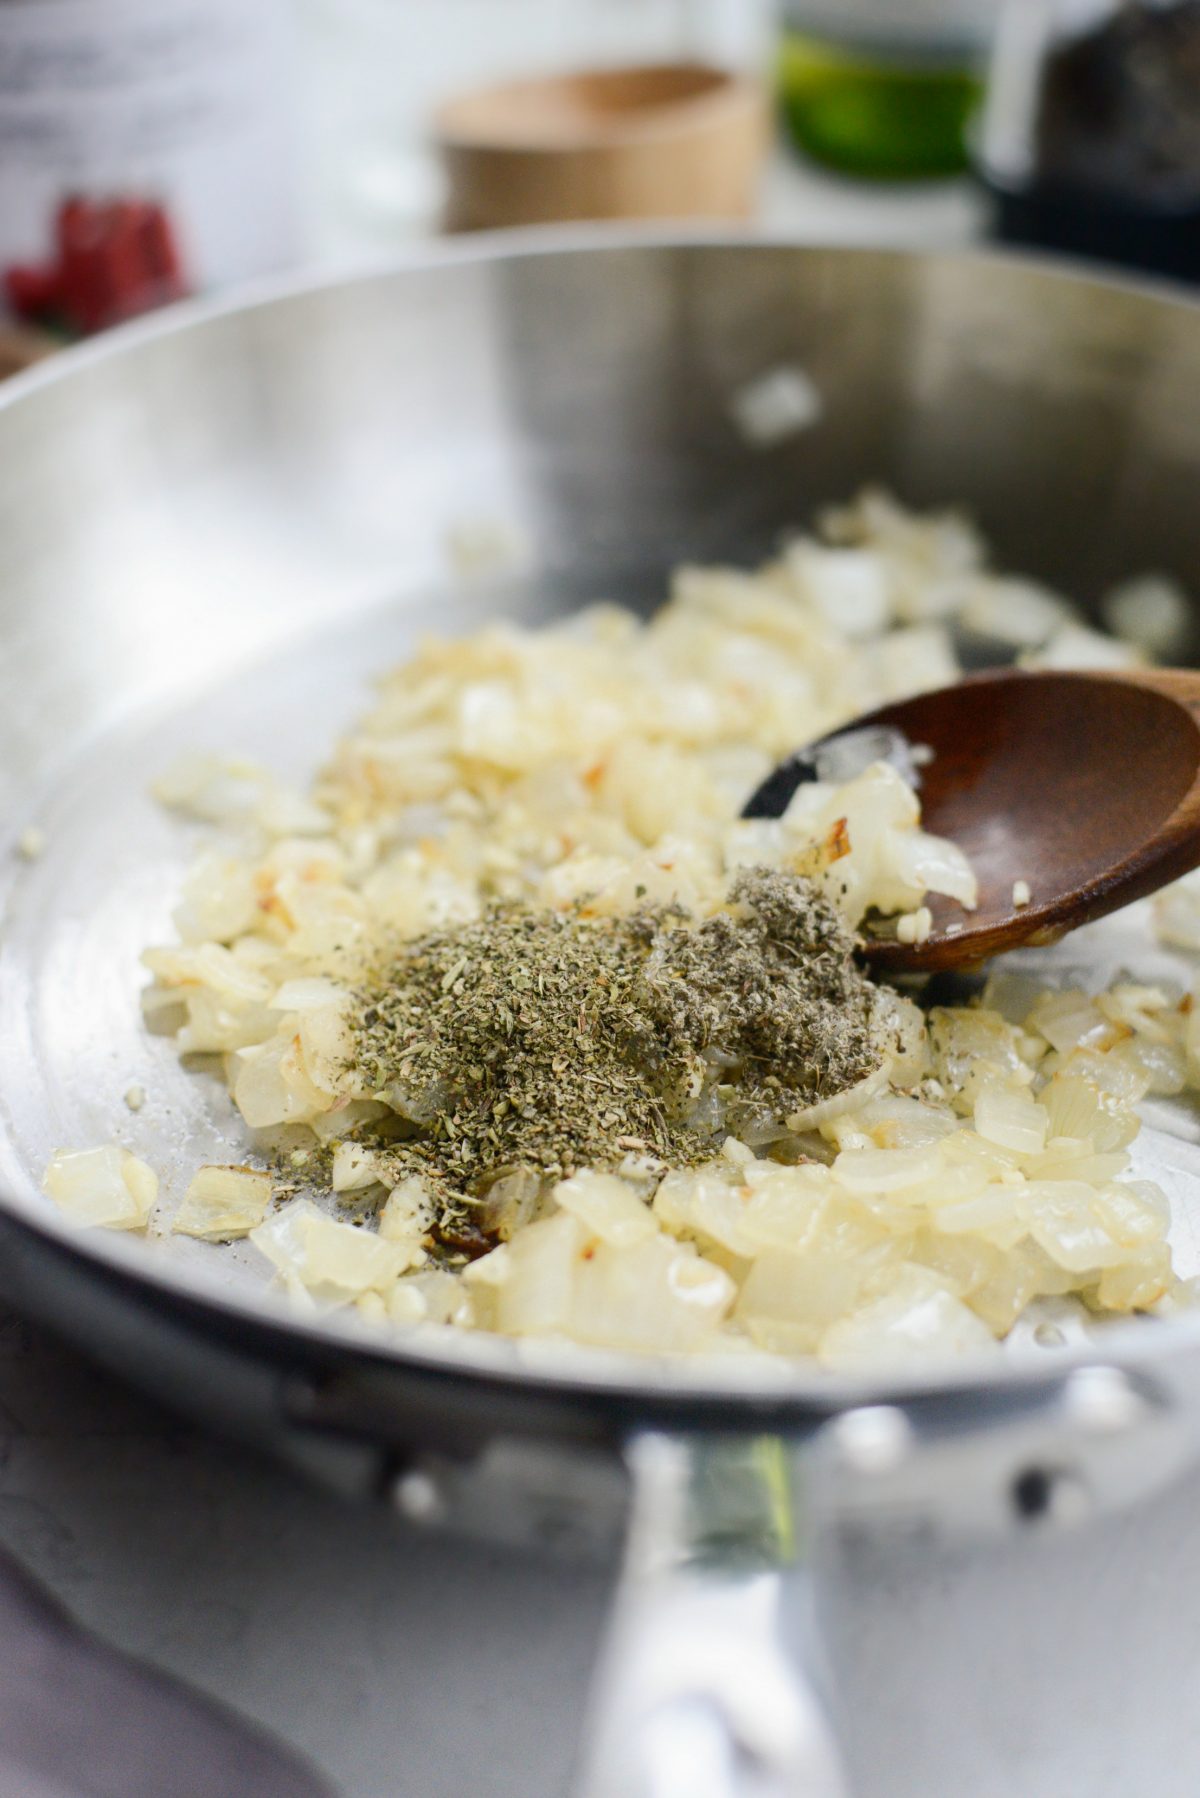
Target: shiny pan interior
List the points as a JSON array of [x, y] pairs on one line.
[[217, 525]]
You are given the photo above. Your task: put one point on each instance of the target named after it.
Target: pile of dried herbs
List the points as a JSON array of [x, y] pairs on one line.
[[552, 1041]]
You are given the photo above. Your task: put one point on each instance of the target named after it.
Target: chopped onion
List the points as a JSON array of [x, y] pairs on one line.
[[607, 1208], [510, 1201], [788, 1300], [1008, 1116], [353, 1168], [991, 1214], [102, 1188], [333, 1261], [1064, 1216], [886, 1170], [919, 1320], [810, 1117], [1069, 1020], [308, 994], [654, 1295], [223, 1202], [537, 1297], [408, 1212]]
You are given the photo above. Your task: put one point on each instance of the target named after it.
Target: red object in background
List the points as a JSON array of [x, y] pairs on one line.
[[113, 259]]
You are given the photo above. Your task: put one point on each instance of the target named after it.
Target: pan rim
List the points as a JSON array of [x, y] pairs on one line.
[[791, 1391]]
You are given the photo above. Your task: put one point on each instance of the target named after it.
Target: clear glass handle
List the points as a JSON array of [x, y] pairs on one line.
[[700, 1690]]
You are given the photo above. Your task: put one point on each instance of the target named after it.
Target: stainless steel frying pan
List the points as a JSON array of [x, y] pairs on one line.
[[213, 530]]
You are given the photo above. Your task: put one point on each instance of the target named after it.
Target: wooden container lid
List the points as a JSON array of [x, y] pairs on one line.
[[664, 140]]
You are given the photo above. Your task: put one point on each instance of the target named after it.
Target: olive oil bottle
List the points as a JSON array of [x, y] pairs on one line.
[[883, 90]]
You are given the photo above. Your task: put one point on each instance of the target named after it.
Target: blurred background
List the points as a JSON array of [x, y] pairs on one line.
[[151, 149]]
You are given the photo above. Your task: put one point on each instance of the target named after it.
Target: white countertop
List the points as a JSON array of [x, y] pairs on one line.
[[1052, 1664], [401, 1662]]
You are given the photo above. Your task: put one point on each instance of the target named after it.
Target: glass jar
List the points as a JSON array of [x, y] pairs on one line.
[[147, 152], [883, 88]]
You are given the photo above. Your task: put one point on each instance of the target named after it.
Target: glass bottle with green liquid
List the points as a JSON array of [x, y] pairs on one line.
[[884, 89]]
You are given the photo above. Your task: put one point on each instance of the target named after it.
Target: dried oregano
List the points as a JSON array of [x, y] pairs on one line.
[[551, 1041]]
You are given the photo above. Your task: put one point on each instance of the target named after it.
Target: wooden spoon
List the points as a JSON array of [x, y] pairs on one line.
[[1084, 786]]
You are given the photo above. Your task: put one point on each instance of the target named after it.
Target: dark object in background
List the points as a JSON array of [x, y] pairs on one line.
[[1091, 143], [112, 259]]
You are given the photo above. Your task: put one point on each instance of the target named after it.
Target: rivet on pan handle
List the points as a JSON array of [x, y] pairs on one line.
[[700, 1687]]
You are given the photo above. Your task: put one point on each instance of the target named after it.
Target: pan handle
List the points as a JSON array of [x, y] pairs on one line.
[[701, 1688]]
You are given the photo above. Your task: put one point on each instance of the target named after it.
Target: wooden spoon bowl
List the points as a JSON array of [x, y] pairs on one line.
[[1084, 786]]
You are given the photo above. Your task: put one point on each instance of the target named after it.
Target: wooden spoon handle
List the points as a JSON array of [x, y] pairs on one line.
[[1172, 847], [1180, 684]]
